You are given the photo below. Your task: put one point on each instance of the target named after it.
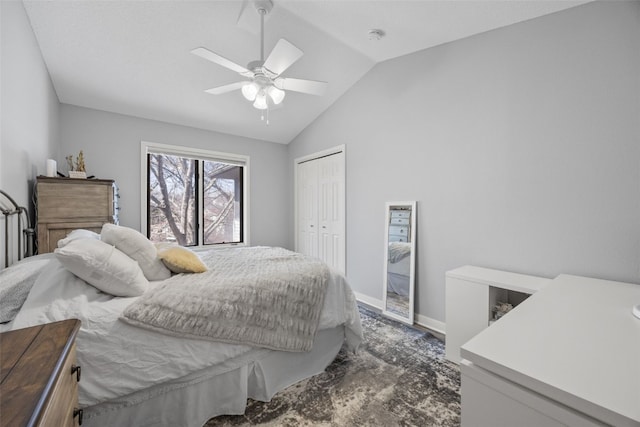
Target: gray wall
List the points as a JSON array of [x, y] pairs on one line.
[[111, 147], [521, 146], [29, 106], [28, 112]]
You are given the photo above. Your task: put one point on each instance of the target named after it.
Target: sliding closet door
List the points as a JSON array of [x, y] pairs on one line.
[[320, 208]]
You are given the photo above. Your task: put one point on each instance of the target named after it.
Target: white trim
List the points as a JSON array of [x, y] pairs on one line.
[[373, 302], [329, 151], [245, 203], [143, 187], [424, 321], [196, 153], [432, 324], [179, 150]]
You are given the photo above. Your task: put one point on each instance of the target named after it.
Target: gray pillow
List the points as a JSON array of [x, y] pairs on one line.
[[15, 284]]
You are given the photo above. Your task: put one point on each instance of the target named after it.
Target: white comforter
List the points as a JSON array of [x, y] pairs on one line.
[[118, 359]]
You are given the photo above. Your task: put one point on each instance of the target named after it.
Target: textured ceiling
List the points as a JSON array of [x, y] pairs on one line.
[[133, 57]]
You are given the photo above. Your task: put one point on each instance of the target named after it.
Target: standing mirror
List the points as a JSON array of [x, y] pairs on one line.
[[399, 268]]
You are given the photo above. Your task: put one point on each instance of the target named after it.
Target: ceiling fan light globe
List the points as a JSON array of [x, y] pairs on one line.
[[249, 91], [261, 101], [276, 94]]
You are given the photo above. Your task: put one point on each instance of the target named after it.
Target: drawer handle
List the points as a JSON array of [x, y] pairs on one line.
[[76, 370], [78, 413]]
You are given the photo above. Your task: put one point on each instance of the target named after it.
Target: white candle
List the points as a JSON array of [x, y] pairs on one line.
[[52, 167]]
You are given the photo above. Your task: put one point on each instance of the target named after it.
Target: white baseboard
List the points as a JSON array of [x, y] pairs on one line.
[[432, 324], [424, 321], [373, 302]]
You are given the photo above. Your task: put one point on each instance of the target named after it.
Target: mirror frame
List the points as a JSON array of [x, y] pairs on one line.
[[409, 320]]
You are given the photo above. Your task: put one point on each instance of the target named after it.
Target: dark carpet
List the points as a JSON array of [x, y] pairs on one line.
[[399, 377]]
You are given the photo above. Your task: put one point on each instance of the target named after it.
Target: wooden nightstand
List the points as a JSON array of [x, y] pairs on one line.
[[39, 376]]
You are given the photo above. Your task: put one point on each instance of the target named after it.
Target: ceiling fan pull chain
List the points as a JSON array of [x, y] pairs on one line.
[[262, 115]]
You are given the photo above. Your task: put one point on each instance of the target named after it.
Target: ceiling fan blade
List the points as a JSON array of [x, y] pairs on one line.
[[283, 55], [226, 88], [220, 60], [311, 87], [242, 8]]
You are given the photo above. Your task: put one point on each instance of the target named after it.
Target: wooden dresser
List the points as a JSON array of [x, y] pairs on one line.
[[39, 376], [66, 204]]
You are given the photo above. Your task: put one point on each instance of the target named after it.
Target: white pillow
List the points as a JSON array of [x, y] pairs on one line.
[[104, 267], [78, 234], [138, 247]]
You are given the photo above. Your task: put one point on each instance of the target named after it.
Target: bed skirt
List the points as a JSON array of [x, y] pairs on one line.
[[193, 400]]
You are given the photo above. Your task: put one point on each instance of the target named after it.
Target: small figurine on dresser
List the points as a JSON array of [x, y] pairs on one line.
[[76, 170]]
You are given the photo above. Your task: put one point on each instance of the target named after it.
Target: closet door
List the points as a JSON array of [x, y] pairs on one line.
[[307, 209], [320, 209], [331, 210]]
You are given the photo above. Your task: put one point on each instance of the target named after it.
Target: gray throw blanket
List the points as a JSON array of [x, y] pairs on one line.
[[266, 297]]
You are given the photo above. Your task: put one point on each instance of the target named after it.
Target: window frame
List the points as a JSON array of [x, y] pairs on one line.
[[197, 154]]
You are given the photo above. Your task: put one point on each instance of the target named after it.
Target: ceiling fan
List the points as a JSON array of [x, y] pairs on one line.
[[265, 86]]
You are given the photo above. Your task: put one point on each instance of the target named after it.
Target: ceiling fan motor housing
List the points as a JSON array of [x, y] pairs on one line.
[[255, 66], [263, 6]]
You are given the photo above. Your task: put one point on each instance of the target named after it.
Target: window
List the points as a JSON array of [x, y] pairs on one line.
[[194, 197]]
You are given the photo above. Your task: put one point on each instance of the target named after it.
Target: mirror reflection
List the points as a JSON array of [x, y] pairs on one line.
[[400, 264]]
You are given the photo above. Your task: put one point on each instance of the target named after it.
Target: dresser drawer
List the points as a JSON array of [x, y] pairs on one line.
[[65, 201], [58, 411], [37, 384], [400, 213], [400, 221], [400, 230]]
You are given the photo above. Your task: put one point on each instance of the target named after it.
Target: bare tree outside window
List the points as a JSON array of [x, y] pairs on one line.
[[173, 202]]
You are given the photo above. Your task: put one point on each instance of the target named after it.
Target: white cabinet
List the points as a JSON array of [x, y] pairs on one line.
[[567, 356], [489, 400], [321, 209], [471, 294]]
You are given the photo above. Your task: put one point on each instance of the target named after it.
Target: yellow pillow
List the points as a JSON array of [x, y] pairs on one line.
[[179, 259]]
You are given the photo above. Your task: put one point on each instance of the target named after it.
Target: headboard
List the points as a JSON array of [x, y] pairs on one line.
[[18, 232]]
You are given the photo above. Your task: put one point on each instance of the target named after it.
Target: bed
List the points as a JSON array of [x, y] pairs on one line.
[[147, 376], [16, 218]]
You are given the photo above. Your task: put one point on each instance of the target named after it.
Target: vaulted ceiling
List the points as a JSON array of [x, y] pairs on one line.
[[133, 57]]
